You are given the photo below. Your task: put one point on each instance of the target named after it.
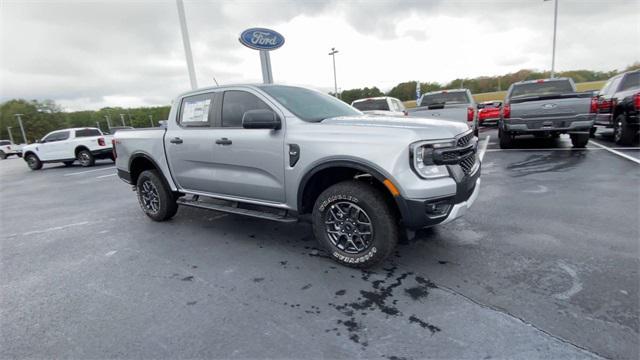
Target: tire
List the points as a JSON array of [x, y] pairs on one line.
[[33, 162], [85, 158], [68, 163], [623, 134], [506, 141], [19, 155], [348, 207], [155, 197], [113, 158], [476, 132], [592, 132], [2, 155], [579, 140]]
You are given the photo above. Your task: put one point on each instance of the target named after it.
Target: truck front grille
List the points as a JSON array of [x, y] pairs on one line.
[[467, 164], [465, 139]]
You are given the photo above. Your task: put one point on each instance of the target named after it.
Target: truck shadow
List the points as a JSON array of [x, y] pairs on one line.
[[554, 161]]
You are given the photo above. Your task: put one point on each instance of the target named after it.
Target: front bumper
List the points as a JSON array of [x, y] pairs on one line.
[[421, 213], [577, 124]]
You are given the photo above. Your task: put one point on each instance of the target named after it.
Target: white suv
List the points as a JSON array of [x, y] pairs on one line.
[[7, 148], [68, 145]]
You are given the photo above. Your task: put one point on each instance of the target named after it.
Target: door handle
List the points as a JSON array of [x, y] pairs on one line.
[[176, 140], [223, 141]]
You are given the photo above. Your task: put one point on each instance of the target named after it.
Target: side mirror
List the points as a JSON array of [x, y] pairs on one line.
[[261, 119]]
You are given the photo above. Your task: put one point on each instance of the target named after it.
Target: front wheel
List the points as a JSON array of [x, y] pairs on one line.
[[33, 162], [355, 223], [579, 140], [3, 155], [155, 198], [86, 158]]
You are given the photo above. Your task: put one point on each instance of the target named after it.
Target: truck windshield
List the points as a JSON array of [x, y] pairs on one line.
[[371, 104], [309, 105], [458, 97], [541, 88]]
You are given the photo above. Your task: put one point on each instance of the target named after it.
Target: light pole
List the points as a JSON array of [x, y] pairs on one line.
[[187, 44], [335, 80], [98, 124], [555, 28], [108, 122], [10, 134], [122, 118], [24, 137], [151, 119]]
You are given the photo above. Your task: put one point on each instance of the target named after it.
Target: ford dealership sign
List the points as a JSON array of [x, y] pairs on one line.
[[261, 39]]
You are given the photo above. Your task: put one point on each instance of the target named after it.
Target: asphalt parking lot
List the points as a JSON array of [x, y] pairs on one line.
[[545, 265]]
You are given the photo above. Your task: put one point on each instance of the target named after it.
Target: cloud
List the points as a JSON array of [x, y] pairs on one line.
[[87, 54]]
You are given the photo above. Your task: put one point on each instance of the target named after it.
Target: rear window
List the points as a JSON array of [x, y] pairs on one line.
[[88, 132], [630, 81], [541, 88], [372, 104], [444, 98], [5, 142]]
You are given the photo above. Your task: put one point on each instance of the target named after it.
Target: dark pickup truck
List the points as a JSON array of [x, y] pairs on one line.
[[546, 107], [619, 105]]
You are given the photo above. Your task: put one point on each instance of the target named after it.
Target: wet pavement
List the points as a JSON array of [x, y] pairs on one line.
[[545, 265]]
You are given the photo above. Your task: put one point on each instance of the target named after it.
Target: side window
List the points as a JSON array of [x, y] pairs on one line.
[[88, 133], [195, 111], [235, 103], [614, 85], [57, 136]]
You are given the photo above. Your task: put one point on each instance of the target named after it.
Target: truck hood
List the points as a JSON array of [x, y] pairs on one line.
[[435, 129]]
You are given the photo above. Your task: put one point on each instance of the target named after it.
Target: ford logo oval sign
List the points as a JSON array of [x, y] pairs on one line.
[[261, 39]]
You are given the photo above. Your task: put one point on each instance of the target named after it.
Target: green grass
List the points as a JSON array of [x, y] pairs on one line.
[[499, 95]]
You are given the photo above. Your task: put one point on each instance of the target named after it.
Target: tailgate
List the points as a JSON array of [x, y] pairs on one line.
[[454, 113], [551, 108]]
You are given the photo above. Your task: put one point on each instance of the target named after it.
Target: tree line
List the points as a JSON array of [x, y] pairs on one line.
[[42, 116]]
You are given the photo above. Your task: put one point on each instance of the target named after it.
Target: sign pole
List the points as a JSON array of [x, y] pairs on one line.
[[265, 62]]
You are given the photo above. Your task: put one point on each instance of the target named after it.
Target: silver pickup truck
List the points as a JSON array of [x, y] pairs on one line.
[[283, 153], [453, 105], [547, 107]]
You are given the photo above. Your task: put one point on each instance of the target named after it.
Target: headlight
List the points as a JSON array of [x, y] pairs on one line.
[[422, 158]]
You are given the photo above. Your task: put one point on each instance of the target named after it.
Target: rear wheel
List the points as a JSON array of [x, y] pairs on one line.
[[85, 158], [3, 155], [354, 222], [33, 162], [579, 140], [623, 134], [506, 140], [155, 198]]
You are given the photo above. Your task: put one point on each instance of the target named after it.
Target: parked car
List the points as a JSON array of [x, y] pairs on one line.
[[619, 105], [8, 148], [546, 107], [383, 105], [454, 105], [68, 145], [285, 152], [489, 112]]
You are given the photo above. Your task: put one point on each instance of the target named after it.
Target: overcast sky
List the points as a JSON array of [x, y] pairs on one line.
[[91, 54]]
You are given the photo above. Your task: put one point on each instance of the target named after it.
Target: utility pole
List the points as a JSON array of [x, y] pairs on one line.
[[122, 118], [555, 28], [10, 134], [151, 119], [24, 137], [335, 81], [98, 124], [108, 122], [187, 44]]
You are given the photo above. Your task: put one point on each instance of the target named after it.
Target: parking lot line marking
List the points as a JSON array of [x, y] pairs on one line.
[[54, 228], [88, 171], [637, 161], [483, 147], [103, 176]]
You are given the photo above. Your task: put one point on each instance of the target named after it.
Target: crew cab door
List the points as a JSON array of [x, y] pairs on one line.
[[189, 143], [53, 146], [248, 163]]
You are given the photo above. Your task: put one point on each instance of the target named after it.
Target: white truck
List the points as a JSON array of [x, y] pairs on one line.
[[68, 145], [454, 105], [8, 148]]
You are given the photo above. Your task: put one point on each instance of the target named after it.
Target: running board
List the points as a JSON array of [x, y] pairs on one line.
[[237, 210]]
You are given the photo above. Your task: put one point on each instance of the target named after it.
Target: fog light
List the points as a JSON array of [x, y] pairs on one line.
[[437, 209]]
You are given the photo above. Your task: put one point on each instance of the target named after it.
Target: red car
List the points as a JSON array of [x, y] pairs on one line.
[[489, 113]]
